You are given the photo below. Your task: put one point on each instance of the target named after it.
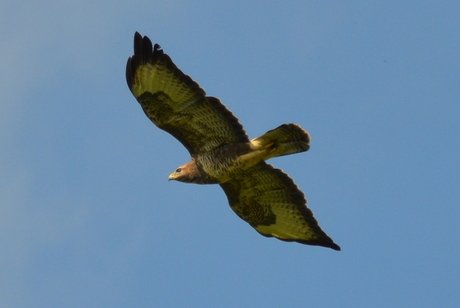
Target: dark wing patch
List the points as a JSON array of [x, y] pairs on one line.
[[176, 103], [269, 201]]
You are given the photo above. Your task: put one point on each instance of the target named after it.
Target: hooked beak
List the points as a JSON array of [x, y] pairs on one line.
[[172, 177]]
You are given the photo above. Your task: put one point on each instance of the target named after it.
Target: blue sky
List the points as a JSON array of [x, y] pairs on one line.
[[88, 218]]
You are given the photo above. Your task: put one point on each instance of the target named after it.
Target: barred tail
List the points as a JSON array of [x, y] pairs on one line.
[[283, 140]]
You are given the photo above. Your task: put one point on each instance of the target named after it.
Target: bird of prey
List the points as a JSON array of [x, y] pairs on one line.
[[221, 152]]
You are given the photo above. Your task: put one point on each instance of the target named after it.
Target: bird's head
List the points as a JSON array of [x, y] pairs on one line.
[[181, 174], [191, 173]]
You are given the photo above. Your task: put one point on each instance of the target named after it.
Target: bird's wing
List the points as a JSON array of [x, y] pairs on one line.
[[176, 103], [270, 201]]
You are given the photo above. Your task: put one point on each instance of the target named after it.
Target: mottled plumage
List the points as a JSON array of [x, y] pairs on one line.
[[221, 152]]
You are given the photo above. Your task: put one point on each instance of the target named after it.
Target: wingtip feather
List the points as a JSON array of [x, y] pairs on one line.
[[144, 52]]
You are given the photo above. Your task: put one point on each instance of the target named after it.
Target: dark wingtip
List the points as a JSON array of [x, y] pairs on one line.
[[323, 243], [144, 52], [129, 73], [328, 243], [144, 49], [335, 247]]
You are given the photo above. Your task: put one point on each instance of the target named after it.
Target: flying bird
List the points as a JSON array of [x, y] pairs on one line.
[[221, 152]]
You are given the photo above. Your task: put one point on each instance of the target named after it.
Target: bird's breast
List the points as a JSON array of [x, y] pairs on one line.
[[224, 161]]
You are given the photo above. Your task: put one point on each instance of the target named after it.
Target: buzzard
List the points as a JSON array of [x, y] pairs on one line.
[[221, 152]]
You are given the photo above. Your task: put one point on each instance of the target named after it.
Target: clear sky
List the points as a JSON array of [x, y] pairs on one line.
[[88, 218]]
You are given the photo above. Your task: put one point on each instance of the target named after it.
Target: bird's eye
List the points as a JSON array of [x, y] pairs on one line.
[[178, 170]]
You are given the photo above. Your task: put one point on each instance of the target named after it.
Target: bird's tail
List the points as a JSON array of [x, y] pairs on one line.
[[283, 140]]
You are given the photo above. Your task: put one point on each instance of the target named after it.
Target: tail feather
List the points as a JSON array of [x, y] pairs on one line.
[[283, 140]]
